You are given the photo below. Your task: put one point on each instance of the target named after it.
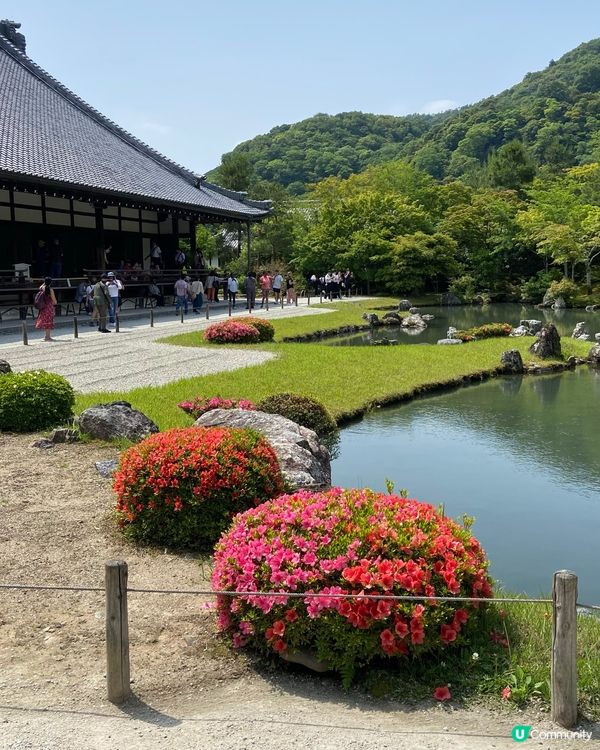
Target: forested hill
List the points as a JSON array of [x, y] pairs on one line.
[[554, 112]]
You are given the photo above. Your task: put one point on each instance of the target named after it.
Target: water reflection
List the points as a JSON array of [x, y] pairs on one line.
[[520, 454]]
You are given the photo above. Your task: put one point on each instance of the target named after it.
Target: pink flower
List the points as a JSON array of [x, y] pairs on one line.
[[447, 633], [279, 627], [442, 693], [506, 693]]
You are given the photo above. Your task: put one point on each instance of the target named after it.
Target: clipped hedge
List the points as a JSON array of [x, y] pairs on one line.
[[486, 331], [181, 488], [199, 405], [34, 400], [348, 542], [266, 330], [304, 410], [231, 332]]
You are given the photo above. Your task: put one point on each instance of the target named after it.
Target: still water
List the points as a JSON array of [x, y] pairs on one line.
[[521, 454], [473, 315]]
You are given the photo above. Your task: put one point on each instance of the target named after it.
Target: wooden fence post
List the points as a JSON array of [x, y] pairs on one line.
[[564, 649], [75, 328], [207, 309], [117, 323], [181, 308], [229, 307], [25, 336], [151, 318], [117, 631]]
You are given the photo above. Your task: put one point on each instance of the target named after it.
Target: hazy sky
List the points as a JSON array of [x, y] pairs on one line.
[[195, 78]]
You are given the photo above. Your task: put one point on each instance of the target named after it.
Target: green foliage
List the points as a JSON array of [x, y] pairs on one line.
[[182, 487], [510, 167], [464, 288], [534, 288], [34, 400], [266, 330], [303, 410], [564, 288], [487, 331]]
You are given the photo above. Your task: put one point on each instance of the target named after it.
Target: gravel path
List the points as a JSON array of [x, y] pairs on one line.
[[131, 359]]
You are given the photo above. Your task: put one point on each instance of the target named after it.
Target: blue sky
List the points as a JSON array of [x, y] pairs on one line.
[[193, 79]]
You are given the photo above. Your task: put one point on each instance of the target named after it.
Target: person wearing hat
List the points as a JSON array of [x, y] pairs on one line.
[[115, 287], [102, 302]]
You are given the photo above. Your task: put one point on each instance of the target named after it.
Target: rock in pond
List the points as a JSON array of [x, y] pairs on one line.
[[520, 331], [548, 343], [450, 299], [594, 355], [115, 420], [534, 326], [559, 304], [404, 305], [371, 318], [414, 311], [428, 317], [512, 361], [580, 332], [392, 319], [413, 321], [304, 460]]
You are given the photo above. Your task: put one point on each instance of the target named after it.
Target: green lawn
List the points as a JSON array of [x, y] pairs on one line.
[[346, 379]]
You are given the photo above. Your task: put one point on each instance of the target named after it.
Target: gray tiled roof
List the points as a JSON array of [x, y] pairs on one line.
[[47, 132]]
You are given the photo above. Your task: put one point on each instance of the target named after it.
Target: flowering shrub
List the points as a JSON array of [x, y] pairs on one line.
[[266, 331], [486, 331], [301, 409], [340, 542], [231, 332], [182, 487], [199, 406], [34, 400]]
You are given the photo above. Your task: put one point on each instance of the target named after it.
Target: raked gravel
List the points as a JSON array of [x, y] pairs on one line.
[[132, 358]]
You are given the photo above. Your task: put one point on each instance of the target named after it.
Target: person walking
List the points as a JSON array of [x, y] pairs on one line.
[[250, 290], [197, 289], [277, 284], [155, 255], [45, 301], [210, 284], [232, 288], [102, 302], [182, 292], [265, 287], [291, 292]]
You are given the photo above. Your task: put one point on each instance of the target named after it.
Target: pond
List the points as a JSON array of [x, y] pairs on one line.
[[473, 315], [520, 454]]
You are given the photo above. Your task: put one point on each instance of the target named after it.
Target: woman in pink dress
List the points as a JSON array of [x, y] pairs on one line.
[[45, 318]]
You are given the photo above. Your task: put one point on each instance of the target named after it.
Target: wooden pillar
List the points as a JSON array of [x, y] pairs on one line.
[[249, 247], [100, 260], [192, 239], [175, 238], [117, 631], [564, 649]]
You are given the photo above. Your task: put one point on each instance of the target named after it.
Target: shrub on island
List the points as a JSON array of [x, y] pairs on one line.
[[34, 400], [348, 542], [232, 332], [266, 330], [303, 410], [486, 331], [199, 405], [181, 487]]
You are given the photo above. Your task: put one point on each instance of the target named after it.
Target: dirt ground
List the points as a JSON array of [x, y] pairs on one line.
[[190, 691]]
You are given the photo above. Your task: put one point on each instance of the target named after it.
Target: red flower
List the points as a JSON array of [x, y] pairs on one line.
[[291, 615], [279, 627], [506, 693], [387, 638], [442, 693], [447, 633], [279, 645]]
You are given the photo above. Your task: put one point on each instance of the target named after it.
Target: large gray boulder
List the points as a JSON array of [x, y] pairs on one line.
[[580, 332], [447, 342], [404, 305], [4, 367], [520, 331], [548, 300], [548, 343], [392, 319], [304, 460], [594, 355], [511, 361], [559, 304], [413, 321], [450, 299], [371, 318], [534, 326], [115, 420]]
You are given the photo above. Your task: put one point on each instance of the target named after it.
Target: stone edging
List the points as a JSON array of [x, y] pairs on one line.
[[331, 332]]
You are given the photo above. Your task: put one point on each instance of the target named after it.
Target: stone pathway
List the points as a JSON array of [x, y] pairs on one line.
[[132, 358]]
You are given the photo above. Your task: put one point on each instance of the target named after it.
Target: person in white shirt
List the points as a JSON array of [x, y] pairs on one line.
[[232, 289], [182, 292], [197, 289], [115, 287], [277, 283]]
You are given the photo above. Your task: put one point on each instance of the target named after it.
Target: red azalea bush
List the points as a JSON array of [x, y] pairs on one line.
[[199, 406], [232, 332], [340, 542], [266, 330], [181, 487]]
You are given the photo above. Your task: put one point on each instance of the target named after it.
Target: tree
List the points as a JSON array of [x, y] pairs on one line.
[[418, 259], [236, 171], [510, 167]]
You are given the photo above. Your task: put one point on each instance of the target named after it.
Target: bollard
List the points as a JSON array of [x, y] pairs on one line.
[[207, 310], [296, 300], [25, 336], [282, 300], [321, 298], [229, 307], [308, 301], [151, 318], [117, 631], [267, 302], [117, 324], [564, 649], [75, 327], [181, 314]]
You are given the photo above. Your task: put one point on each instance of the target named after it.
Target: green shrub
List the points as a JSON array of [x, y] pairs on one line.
[[487, 331], [566, 289], [182, 487], [266, 331], [464, 288], [34, 400], [534, 289], [304, 410]]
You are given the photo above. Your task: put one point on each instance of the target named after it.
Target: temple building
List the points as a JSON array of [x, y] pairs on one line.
[[71, 179]]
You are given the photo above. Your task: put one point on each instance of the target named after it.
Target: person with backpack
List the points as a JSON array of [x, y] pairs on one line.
[[44, 302], [102, 302]]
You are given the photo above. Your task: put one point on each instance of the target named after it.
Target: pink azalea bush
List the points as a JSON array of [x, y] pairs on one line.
[[199, 405], [232, 332], [347, 542]]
